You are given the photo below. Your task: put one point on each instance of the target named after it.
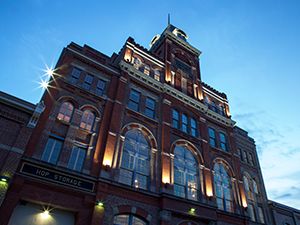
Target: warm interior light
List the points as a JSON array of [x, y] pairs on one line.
[[107, 162], [45, 214]]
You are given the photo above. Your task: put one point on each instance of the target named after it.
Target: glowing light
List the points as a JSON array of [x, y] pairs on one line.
[[44, 84], [4, 179], [193, 209], [100, 203], [209, 193], [45, 214], [166, 180], [107, 162], [245, 204]]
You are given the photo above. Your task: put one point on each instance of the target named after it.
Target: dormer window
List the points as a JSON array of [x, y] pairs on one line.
[[214, 106], [136, 63], [206, 101], [157, 75], [147, 69], [221, 108]]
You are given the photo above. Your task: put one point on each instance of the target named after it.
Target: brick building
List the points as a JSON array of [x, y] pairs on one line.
[[136, 138]]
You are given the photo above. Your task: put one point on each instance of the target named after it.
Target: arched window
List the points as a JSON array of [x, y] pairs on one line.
[[128, 219], [136, 63], [135, 161], [186, 176], [206, 101], [147, 69], [221, 108], [184, 123], [65, 111], [157, 74], [255, 190], [214, 106], [246, 183], [175, 118], [223, 188], [193, 127], [87, 120]]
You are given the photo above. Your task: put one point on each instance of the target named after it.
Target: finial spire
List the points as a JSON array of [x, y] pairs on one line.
[[168, 18]]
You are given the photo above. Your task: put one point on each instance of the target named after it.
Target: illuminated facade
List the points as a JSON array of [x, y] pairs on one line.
[[136, 138]]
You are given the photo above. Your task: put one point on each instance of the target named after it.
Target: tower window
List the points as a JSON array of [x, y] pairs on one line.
[[65, 111], [212, 137], [223, 142], [136, 63], [147, 69], [134, 100], [193, 127], [184, 123], [88, 82], [87, 120], [175, 119], [100, 87], [150, 107], [157, 75], [75, 75]]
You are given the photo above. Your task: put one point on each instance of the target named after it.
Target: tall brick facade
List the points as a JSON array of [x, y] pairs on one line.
[[138, 132]]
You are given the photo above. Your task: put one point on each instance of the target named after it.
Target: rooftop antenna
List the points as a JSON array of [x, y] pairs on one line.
[[168, 18]]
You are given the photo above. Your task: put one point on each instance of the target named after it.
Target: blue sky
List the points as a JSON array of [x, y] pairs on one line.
[[250, 51]]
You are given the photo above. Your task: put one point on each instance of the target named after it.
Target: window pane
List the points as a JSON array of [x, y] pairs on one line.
[[87, 120], [137, 221], [134, 100], [121, 220], [52, 150], [261, 215], [100, 87], [141, 181], [220, 203], [175, 119], [125, 177], [74, 76], [178, 190]]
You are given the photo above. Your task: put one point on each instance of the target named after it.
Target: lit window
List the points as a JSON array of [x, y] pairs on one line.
[[88, 82], [212, 137], [186, 182], [135, 160], [150, 107], [100, 87], [65, 111], [175, 119], [74, 76], [251, 159], [77, 158], [193, 127], [245, 156], [223, 142], [223, 188], [214, 106], [52, 150], [147, 69], [157, 74], [128, 219], [221, 108], [134, 100], [251, 212], [184, 123], [206, 101], [261, 215], [87, 120], [136, 63]]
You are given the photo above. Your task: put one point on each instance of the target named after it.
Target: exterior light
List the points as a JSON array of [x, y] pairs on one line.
[[4, 179], [100, 203], [166, 180], [45, 214], [107, 162], [192, 209]]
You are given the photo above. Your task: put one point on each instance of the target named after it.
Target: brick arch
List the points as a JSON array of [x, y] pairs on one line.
[[70, 99], [225, 163], [92, 108], [187, 59], [128, 209], [137, 56], [142, 128], [192, 147]]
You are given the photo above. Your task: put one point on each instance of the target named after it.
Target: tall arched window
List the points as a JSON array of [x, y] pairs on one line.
[[206, 101], [87, 120], [135, 161], [223, 188], [214, 106], [128, 219], [186, 175], [221, 108], [249, 197], [136, 63], [65, 111], [175, 118]]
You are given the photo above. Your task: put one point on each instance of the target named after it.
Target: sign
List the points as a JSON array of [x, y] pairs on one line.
[[61, 178]]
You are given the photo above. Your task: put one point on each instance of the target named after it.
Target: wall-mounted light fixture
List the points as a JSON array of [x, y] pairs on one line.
[[192, 209], [45, 214], [4, 179], [99, 203]]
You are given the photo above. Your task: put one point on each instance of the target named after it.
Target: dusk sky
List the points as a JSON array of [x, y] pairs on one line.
[[250, 51]]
